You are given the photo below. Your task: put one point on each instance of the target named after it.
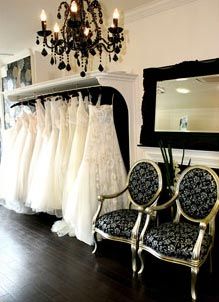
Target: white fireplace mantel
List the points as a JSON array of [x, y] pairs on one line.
[[123, 82]]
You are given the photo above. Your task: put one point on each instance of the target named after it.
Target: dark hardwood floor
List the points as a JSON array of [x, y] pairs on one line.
[[36, 265]]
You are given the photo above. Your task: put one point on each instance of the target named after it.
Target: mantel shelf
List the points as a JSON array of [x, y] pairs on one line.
[[68, 83]]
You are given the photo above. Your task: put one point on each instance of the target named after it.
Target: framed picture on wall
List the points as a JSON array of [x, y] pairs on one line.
[[18, 73]]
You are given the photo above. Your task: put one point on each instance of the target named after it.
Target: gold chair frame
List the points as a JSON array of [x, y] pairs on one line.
[[206, 224], [133, 241]]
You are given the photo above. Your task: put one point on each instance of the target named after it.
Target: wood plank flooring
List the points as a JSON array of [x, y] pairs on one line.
[[37, 266]]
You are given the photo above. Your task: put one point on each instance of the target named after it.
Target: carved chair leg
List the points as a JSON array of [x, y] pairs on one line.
[[95, 242], [141, 260], [134, 265], [194, 273], [210, 261]]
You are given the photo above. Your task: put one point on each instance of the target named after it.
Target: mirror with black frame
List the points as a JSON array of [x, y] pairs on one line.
[[181, 105]]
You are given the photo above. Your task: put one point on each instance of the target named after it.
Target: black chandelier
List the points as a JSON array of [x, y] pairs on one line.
[[80, 34]]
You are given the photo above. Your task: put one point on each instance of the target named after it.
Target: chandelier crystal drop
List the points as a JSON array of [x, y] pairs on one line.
[[80, 35]]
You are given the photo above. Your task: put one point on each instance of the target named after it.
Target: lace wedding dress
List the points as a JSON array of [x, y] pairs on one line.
[[101, 171]]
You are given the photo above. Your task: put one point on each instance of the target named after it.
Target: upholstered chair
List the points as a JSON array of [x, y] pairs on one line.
[[144, 183], [189, 239]]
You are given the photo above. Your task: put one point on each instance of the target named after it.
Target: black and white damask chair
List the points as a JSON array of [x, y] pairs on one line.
[[144, 183], [187, 242]]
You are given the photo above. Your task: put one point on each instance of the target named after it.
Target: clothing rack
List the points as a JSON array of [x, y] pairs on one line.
[[66, 94], [124, 104]]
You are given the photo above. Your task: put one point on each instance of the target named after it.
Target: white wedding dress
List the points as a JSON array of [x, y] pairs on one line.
[[8, 140], [45, 198], [14, 167], [71, 122], [25, 160], [61, 227], [39, 177], [60, 169], [47, 175], [77, 148], [101, 171], [40, 124]]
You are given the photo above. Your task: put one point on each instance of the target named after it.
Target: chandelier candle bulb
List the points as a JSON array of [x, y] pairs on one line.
[[86, 31], [43, 18], [56, 31], [74, 7], [115, 17]]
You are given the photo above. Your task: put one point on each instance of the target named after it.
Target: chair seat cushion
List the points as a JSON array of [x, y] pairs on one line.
[[176, 240], [118, 223]]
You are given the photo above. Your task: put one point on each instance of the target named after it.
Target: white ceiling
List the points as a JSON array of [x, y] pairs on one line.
[[19, 20]]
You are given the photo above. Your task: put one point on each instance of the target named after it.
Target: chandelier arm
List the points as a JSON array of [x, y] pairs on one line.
[[91, 9], [103, 44], [66, 6], [45, 41], [107, 45], [53, 46], [58, 51], [106, 48], [61, 4], [66, 15]]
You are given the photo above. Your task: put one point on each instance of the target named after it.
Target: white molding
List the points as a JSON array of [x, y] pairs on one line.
[[198, 157], [1, 112], [153, 8], [18, 56]]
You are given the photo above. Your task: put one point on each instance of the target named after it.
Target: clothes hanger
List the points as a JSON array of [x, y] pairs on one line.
[[113, 96], [24, 103]]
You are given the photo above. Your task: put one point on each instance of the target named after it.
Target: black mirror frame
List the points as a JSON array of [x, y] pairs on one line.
[[180, 140]]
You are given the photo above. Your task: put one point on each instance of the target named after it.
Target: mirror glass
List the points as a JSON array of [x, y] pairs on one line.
[[188, 105]]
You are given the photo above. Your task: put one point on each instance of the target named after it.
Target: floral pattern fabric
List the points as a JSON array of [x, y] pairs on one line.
[[197, 193], [176, 240], [119, 223], [143, 183]]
